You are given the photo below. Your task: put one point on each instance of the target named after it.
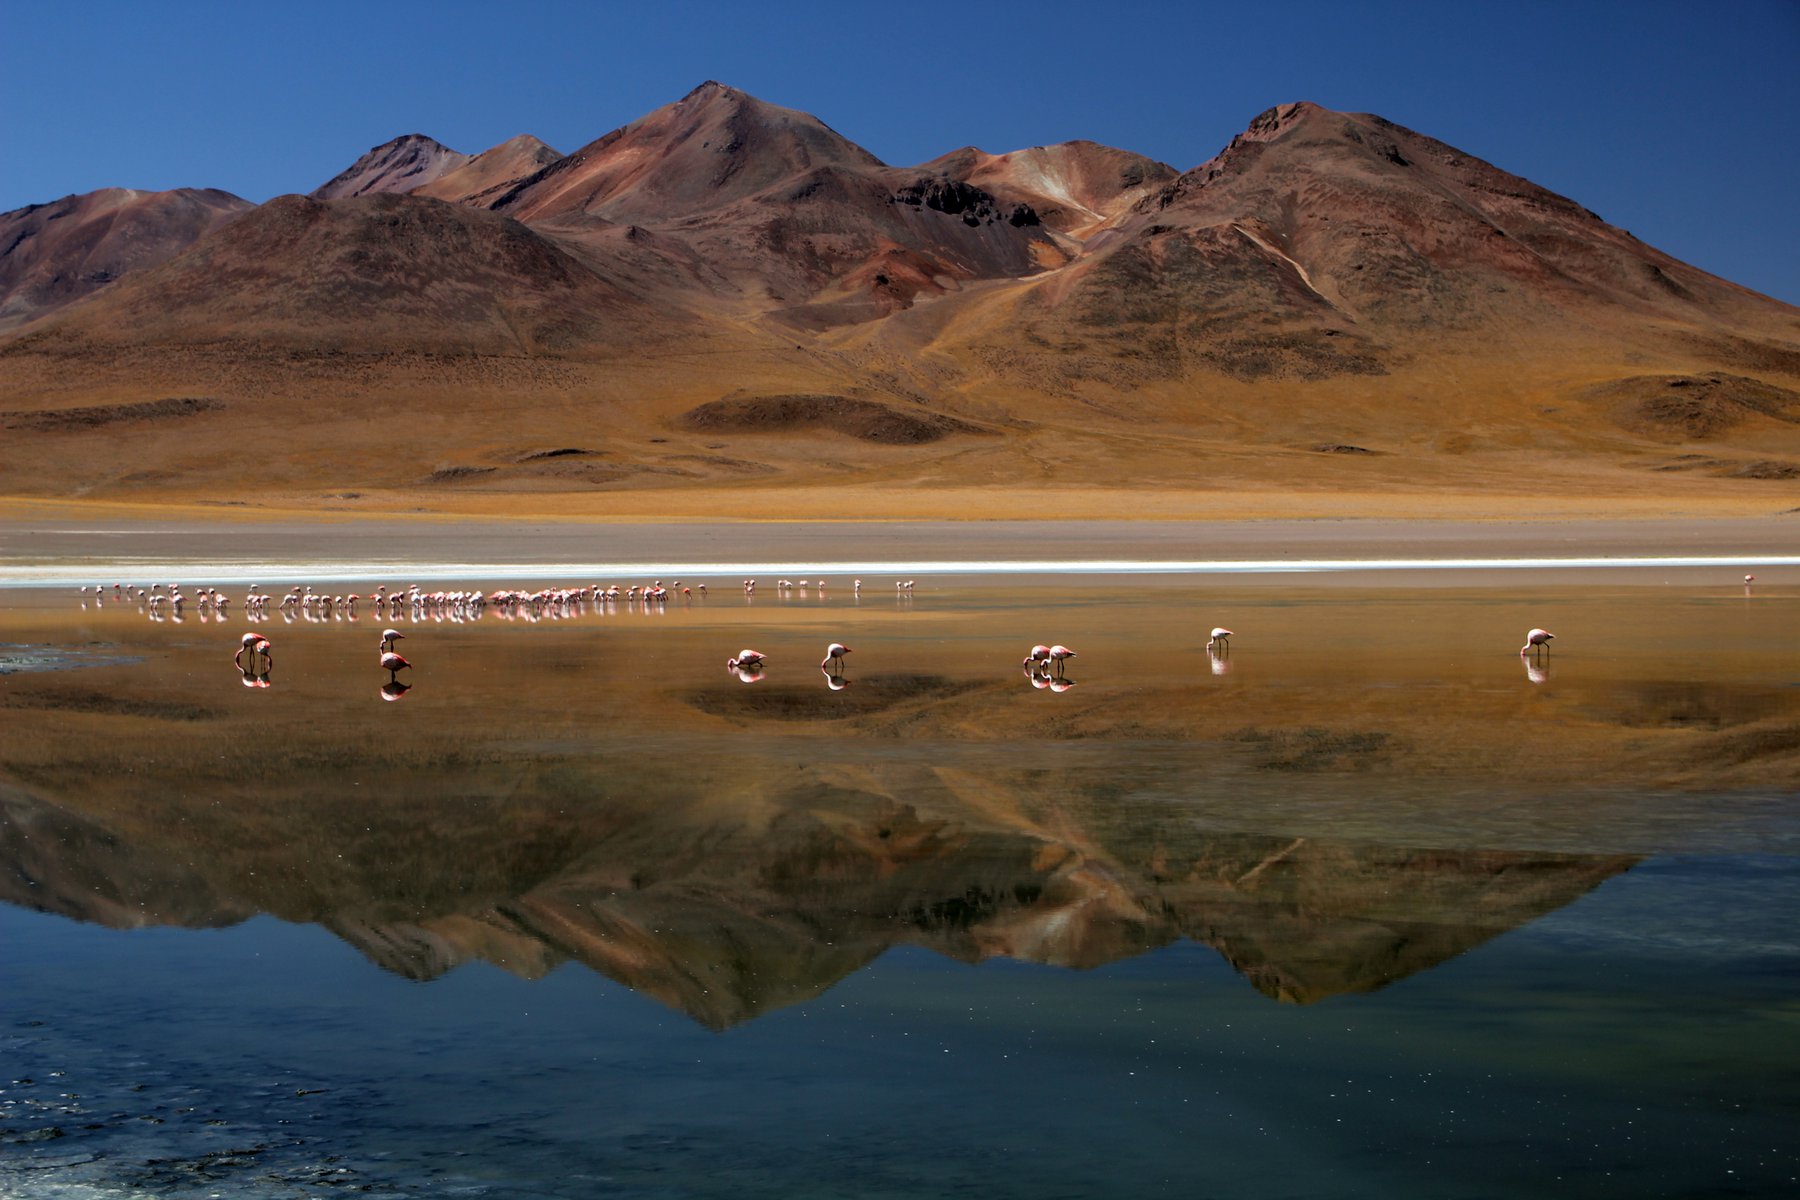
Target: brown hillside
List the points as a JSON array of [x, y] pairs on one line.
[[54, 254], [726, 293], [407, 162], [382, 272], [1075, 188], [492, 171]]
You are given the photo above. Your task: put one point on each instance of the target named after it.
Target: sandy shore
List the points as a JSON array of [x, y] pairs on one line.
[[49, 541], [40, 533]]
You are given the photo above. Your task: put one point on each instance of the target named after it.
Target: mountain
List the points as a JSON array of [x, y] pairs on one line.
[[738, 293], [783, 207], [1321, 243], [710, 149], [54, 254], [492, 170], [1076, 188], [380, 272], [406, 163]]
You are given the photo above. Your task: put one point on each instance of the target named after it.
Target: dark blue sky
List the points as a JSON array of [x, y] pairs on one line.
[[1675, 120]]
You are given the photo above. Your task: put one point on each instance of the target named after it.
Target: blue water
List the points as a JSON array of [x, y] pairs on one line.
[[1308, 928], [1639, 1042]]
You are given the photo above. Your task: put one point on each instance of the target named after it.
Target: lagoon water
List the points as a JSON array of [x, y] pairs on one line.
[[1369, 907]]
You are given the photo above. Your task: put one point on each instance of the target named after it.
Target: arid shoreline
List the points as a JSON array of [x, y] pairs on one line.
[[71, 535]]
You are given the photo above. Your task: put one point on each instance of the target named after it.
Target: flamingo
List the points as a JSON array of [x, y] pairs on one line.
[[393, 664], [252, 644], [747, 660], [1060, 655], [1221, 637], [834, 657], [388, 638], [1536, 638], [1039, 656]]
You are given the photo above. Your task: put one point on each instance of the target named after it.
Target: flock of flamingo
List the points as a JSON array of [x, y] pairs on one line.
[[1045, 665]]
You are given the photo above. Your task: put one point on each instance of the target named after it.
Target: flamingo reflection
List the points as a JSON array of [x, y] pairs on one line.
[[1536, 672], [836, 683], [393, 689], [1221, 662]]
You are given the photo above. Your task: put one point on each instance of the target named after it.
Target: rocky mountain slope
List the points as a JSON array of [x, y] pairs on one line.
[[54, 254], [1329, 284]]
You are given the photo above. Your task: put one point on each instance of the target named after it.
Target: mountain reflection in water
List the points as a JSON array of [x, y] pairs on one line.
[[1331, 815], [725, 917]]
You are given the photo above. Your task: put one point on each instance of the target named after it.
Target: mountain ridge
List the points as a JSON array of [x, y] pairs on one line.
[[1327, 278]]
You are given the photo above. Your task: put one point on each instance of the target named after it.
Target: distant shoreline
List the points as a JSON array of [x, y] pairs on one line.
[[67, 549]]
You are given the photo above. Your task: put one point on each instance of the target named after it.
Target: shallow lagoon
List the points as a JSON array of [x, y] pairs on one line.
[[1365, 909]]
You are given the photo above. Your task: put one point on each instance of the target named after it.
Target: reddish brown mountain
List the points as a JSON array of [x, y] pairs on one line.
[[54, 254], [1076, 188], [710, 149], [380, 272], [490, 172], [784, 208], [406, 163], [1329, 284]]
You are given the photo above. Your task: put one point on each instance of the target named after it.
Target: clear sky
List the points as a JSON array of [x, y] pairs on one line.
[[1676, 119]]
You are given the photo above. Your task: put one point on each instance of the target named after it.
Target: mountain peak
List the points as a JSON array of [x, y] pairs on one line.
[[711, 148], [400, 165]]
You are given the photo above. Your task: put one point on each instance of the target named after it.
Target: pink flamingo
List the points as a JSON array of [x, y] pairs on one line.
[[1221, 638], [252, 644], [388, 638], [834, 657], [1060, 655], [393, 664], [1039, 656], [747, 660], [1536, 638]]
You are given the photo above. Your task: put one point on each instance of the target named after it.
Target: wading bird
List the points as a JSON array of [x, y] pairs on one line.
[[252, 644], [1060, 655], [834, 657], [1537, 639], [1221, 638]]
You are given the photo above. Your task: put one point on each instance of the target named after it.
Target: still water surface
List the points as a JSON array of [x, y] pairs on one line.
[[1370, 907]]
